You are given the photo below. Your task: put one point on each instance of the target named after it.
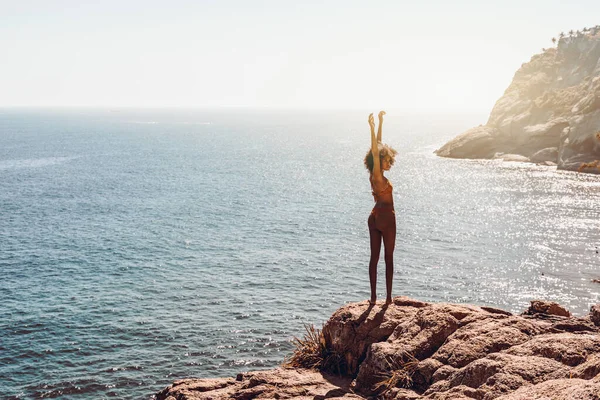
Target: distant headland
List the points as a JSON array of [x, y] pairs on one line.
[[549, 114]]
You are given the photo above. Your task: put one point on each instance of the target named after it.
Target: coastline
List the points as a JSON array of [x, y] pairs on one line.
[[417, 350], [548, 115]]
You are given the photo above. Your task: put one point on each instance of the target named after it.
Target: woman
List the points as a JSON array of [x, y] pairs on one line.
[[382, 221]]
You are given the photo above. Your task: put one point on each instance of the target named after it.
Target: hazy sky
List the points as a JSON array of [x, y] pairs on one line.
[[417, 55]]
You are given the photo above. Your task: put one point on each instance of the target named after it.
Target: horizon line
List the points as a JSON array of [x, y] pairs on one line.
[[245, 107]]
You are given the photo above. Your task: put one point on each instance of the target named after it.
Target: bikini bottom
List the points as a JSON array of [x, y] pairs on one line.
[[383, 219]]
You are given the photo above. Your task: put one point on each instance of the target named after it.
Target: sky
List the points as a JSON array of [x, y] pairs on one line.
[[414, 55]]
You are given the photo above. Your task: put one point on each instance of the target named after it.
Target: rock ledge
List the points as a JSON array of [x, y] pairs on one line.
[[415, 350]]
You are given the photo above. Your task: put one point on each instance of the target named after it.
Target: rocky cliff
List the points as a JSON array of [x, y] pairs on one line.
[[414, 350], [549, 114]]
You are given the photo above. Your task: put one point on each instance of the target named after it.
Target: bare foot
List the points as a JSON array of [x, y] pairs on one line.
[[373, 302], [388, 301]]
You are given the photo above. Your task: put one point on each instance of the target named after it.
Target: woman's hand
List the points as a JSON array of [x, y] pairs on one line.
[[381, 114], [372, 122]]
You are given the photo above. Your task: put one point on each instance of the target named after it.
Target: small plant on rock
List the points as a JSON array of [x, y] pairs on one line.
[[312, 352], [400, 370]]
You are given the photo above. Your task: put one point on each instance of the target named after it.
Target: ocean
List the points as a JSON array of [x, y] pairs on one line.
[[142, 246]]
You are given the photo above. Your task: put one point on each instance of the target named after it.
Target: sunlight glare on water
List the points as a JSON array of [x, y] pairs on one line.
[[138, 247]]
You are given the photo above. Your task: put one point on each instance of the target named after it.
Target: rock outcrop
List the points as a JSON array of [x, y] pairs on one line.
[[550, 113], [413, 350], [278, 383]]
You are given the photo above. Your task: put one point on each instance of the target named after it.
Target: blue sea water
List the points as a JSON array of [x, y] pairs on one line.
[[142, 246]]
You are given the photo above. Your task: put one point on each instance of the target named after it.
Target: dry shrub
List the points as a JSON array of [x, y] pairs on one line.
[[312, 352], [400, 369], [593, 164]]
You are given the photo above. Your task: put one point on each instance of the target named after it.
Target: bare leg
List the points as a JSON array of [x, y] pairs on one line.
[[389, 242], [375, 237]]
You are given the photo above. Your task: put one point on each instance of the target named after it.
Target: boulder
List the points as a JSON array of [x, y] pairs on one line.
[[511, 157], [558, 389], [595, 314], [478, 142], [549, 154], [547, 308], [277, 383], [352, 329]]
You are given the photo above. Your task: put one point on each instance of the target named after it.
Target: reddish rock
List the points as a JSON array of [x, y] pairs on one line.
[[493, 310], [484, 335], [574, 325], [415, 338], [424, 372], [411, 350], [403, 394], [499, 373], [567, 348], [277, 383], [588, 369], [547, 308], [353, 328], [560, 389], [595, 314]]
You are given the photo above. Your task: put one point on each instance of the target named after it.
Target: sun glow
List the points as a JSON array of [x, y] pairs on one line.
[[426, 56]]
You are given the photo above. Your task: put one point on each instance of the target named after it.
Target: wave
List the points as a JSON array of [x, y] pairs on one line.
[[174, 123], [34, 162]]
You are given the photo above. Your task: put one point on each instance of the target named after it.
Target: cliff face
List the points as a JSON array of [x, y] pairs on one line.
[[414, 350], [550, 113]]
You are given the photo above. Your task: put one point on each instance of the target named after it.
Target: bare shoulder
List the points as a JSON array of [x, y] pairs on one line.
[[377, 180]]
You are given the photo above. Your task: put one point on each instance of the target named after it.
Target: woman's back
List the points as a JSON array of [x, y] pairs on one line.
[[382, 193]]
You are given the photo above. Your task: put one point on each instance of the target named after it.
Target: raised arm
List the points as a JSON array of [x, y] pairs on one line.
[[381, 114], [374, 148]]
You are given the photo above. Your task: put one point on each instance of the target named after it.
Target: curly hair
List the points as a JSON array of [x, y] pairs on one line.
[[384, 150]]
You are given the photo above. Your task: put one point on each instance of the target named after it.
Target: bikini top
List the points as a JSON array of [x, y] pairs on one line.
[[386, 190]]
